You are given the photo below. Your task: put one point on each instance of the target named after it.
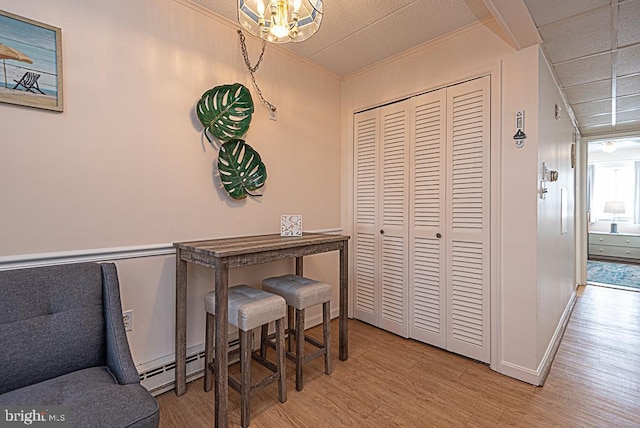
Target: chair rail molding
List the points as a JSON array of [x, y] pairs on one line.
[[77, 256], [22, 261]]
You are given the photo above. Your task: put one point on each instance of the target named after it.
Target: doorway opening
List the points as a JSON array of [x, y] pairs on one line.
[[613, 213]]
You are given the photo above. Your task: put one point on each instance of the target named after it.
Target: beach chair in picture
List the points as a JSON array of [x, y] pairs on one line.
[[29, 82]]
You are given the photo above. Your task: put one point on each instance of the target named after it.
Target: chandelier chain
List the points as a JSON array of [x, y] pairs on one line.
[[253, 69]]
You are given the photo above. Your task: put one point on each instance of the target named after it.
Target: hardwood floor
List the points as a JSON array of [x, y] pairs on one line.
[[393, 382]]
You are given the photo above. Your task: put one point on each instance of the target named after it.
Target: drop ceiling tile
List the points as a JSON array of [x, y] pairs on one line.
[[578, 36], [545, 12], [586, 131], [591, 121], [628, 60], [628, 85], [627, 102], [588, 121], [592, 108], [628, 18], [586, 70], [631, 125], [588, 92], [628, 116]]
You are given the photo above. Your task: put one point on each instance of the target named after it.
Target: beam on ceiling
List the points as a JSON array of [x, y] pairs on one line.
[[515, 20]]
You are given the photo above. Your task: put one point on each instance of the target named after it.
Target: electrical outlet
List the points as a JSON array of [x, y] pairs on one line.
[[127, 317]]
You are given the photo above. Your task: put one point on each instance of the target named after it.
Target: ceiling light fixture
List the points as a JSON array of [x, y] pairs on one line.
[[280, 21], [609, 147]]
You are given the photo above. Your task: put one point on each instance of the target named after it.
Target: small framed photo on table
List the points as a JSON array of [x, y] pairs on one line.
[[290, 225]]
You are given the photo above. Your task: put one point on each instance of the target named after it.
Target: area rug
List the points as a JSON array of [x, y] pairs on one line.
[[614, 273]]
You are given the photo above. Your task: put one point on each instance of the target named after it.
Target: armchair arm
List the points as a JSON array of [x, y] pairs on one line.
[[118, 356]]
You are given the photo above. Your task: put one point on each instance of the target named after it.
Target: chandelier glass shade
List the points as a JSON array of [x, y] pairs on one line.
[[280, 21]]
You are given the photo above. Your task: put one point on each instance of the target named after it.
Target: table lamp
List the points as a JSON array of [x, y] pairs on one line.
[[614, 207]]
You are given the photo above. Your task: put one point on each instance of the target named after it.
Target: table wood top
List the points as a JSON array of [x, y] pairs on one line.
[[227, 247]]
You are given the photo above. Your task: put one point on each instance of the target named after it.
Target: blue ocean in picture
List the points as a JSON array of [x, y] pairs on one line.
[[39, 44]]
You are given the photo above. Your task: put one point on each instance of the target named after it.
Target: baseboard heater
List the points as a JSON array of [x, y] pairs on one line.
[[159, 376]]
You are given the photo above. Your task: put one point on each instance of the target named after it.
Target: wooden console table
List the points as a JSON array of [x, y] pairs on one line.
[[222, 254]]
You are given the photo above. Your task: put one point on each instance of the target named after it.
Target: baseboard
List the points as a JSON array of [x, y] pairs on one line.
[[552, 349], [537, 377]]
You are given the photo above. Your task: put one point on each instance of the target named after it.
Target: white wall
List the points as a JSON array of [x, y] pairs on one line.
[[517, 336], [518, 214], [125, 164], [556, 274]]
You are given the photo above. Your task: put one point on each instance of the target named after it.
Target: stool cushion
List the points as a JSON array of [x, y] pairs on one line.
[[298, 291], [249, 307]]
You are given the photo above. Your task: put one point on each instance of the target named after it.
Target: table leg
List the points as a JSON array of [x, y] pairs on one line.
[[181, 325], [344, 303], [221, 386], [299, 266]]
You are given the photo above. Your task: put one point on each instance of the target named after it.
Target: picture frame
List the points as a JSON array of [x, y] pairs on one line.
[[291, 225], [30, 63]]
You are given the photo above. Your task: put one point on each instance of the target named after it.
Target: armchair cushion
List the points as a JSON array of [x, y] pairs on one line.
[[63, 343], [93, 397]]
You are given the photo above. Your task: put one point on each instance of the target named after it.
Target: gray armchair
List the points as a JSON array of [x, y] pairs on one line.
[[63, 343]]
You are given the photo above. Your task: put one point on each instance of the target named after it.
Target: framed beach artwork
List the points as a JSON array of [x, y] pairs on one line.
[[30, 63]]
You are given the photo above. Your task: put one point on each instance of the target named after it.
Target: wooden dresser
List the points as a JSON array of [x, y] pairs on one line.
[[614, 246]]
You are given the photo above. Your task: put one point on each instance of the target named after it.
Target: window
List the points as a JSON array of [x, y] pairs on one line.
[[612, 181]]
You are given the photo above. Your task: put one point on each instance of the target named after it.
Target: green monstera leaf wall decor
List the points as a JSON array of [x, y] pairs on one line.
[[241, 169], [225, 111]]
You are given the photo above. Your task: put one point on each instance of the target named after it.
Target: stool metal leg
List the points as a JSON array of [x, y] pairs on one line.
[[245, 376], [326, 333], [299, 348], [208, 351], [282, 382]]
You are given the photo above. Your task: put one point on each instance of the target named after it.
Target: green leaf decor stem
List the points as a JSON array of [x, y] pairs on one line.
[[241, 169], [225, 111]]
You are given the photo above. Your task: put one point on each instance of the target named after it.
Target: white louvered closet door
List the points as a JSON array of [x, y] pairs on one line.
[[427, 261], [366, 257], [394, 163], [468, 208]]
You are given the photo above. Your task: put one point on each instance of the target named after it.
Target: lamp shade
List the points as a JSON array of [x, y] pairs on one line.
[[280, 21], [614, 207], [609, 146]]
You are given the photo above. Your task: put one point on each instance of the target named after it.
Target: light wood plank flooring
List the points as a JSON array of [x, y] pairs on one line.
[[393, 382]]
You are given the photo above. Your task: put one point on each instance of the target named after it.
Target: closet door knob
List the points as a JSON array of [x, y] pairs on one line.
[[438, 235], [381, 232]]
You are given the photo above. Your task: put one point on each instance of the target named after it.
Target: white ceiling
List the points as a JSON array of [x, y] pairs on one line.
[[593, 45]]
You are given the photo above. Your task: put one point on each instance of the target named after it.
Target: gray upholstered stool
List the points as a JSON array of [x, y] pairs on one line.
[[301, 293], [249, 308]]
